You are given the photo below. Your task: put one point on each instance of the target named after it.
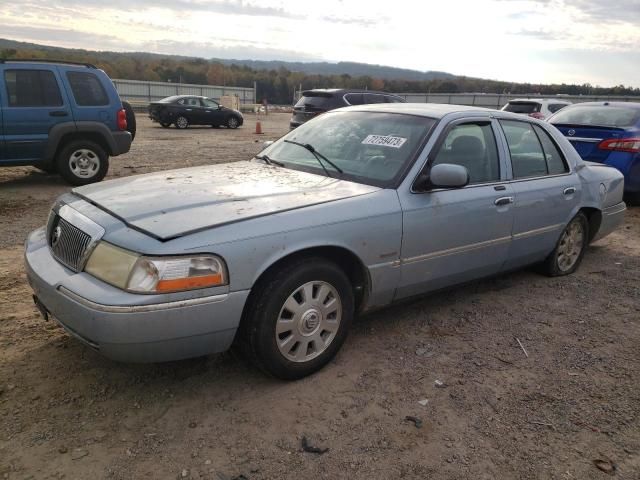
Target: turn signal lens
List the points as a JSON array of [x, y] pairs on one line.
[[172, 274]]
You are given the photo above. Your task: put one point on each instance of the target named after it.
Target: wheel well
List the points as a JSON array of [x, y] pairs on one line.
[[91, 136], [349, 262], [594, 216]]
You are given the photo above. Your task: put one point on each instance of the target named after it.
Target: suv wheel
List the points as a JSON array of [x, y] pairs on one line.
[[182, 122], [232, 122], [298, 318], [82, 162]]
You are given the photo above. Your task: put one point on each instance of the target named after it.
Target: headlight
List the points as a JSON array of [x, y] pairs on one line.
[[137, 273]]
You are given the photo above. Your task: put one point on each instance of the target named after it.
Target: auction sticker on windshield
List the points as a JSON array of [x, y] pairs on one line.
[[384, 141]]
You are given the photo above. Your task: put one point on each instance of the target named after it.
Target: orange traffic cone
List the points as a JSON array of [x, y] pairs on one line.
[[258, 128]]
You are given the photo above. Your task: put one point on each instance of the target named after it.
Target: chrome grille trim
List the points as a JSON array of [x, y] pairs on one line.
[[78, 236]]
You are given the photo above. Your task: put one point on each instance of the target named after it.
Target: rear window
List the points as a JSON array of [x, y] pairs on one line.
[[87, 89], [32, 88], [522, 107], [316, 101], [554, 107], [598, 116]]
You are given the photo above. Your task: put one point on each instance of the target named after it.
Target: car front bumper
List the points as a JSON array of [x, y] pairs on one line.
[[133, 330]]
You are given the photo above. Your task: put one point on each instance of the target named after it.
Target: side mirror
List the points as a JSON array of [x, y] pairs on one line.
[[448, 175]]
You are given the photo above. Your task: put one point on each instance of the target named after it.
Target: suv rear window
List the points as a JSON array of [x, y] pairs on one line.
[[315, 101], [522, 107], [32, 88], [87, 89], [598, 115]]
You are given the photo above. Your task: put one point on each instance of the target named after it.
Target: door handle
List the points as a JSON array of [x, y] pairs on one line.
[[58, 113], [503, 201], [569, 190]]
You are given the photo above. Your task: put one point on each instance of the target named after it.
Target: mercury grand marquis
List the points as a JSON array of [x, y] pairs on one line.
[[354, 210]]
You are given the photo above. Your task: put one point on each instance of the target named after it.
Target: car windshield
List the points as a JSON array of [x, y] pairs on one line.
[[598, 116], [522, 107], [371, 148]]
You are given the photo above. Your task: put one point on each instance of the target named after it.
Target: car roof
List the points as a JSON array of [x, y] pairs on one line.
[[557, 100], [635, 105], [431, 110], [345, 91]]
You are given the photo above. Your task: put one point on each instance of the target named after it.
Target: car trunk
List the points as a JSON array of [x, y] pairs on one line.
[[586, 138]]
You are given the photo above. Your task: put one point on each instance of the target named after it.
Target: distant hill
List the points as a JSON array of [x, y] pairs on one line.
[[353, 69]]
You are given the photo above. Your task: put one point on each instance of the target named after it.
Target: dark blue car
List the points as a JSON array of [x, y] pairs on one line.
[[61, 118], [605, 132]]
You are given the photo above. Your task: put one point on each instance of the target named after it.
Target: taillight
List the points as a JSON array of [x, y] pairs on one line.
[[631, 145], [122, 119], [538, 115]]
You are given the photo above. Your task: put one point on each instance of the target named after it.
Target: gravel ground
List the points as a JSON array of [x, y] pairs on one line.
[[452, 361]]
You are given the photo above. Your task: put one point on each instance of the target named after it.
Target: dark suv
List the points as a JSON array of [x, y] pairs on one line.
[[317, 101], [60, 117]]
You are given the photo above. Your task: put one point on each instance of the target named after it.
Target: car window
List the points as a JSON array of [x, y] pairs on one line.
[[32, 88], [373, 98], [209, 103], [354, 98], [372, 148], [598, 115], [556, 164], [393, 99], [522, 107], [472, 145], [87, 89], [554, 107], [192, 102], [181, 101], [315, 101], [527, 156]]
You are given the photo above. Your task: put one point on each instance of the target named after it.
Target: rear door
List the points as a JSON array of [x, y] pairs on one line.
[[32, 103], [546, 191]]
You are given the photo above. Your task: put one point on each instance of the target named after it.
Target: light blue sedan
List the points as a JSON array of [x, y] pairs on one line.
[[354, 210]]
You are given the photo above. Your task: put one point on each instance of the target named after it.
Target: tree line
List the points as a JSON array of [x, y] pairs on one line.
[[278, 85]]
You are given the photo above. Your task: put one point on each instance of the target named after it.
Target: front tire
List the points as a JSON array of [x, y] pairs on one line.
[[181, 122], [567, 255], [81, 162], [299, 318], [233, 122]]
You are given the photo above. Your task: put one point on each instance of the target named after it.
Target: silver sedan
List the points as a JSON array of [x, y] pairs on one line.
[[352, 211]]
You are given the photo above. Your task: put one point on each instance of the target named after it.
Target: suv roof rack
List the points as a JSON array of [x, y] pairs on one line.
[[44, 60]]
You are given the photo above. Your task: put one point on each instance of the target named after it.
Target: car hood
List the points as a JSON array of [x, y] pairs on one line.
[[174, 203]]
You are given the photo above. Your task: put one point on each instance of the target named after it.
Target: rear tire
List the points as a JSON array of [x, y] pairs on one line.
[[298, 318], [572, 244], [131, 119], [181, 122], [81, 162]]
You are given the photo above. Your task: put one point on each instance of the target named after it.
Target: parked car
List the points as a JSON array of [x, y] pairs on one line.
[[354, 210], [60, 117], [539, 108], [185, 110], [314, 102], [607, 133]]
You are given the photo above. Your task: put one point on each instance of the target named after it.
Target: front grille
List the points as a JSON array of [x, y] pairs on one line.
[[68, 243]]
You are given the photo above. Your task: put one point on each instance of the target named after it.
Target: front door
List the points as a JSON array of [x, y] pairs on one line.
[[32, 103], [455, 235], [212, 112]]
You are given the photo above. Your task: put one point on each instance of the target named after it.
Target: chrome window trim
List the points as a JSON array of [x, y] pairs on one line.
[[153, 307], [585, 139]]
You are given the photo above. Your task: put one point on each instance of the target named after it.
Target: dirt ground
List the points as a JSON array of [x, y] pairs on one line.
[[66, 412]]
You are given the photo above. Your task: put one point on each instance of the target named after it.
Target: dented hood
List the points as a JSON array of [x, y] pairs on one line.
[[173, 203]]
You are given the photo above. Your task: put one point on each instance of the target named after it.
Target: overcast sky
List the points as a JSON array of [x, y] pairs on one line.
[[576, 41]]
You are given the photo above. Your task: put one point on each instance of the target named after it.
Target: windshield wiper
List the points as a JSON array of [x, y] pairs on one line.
[[318, 156], [269, 161]]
